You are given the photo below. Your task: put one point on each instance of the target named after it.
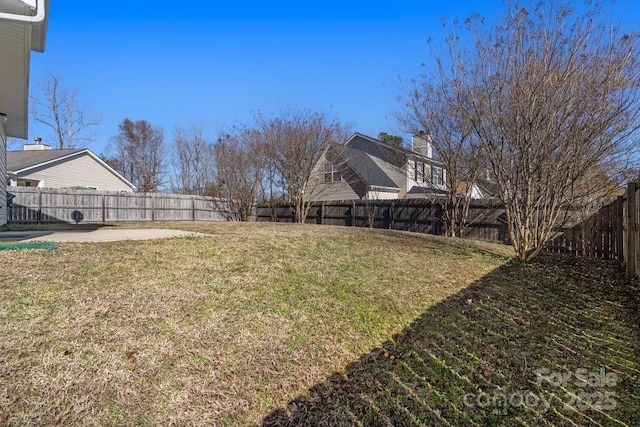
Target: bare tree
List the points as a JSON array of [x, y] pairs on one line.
[[293, 143], [139, 154], [551, 95], [59, 110], [240, 167], [431, 109], [193, 159]]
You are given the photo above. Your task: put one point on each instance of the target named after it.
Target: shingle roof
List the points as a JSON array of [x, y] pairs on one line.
[[427, 191], [367, 168], [18, 160]]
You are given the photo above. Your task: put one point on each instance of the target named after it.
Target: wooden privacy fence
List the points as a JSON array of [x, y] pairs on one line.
[[597, 235], [611, 232], [50, 205], [630, 245], [417, 215]]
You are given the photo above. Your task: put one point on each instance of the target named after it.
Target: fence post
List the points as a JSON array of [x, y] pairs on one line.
[[392, 216], [39, 206], [353, 213], [193, 208], [322, 213], [619, 232], [630, 256]]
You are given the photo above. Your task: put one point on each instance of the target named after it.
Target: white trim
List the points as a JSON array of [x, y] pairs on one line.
[[38, 17]]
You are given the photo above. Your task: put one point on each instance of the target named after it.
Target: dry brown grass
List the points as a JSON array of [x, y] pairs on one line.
[[216, 330]]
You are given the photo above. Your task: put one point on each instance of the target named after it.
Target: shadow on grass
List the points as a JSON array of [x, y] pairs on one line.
[[552, 342]]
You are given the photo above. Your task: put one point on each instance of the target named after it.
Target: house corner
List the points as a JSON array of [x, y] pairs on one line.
[[3, 173]]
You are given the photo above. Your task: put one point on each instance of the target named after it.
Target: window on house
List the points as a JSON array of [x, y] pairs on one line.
[[420, 172], [437, 175], [331, 173]]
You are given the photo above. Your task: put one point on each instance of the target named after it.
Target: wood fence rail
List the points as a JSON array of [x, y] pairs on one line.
[[50, 205], [486, 218]]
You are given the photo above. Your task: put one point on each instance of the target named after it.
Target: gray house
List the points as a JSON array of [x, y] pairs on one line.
[[37, 165], [366, 168], [23, 28]]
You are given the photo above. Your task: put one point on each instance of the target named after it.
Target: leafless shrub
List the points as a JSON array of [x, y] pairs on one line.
[[551, 95], [293, 143]]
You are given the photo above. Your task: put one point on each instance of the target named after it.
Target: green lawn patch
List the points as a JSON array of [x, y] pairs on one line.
[[288, 324], [15, 246]]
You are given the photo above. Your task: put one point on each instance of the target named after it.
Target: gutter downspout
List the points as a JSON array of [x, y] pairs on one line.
[[38, 17]]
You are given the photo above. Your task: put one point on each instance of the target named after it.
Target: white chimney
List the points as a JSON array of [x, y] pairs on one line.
[[37, 146], [421, 144]]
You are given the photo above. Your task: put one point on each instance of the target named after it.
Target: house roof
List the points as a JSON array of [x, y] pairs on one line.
[[390, 149], [367, 168], [415, 190], [487, 187], [18, 161], [23, 161]]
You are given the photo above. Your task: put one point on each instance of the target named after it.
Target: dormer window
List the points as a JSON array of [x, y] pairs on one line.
[[331, 173]]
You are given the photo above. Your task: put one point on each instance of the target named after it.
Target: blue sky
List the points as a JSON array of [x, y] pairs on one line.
[[174, 63]]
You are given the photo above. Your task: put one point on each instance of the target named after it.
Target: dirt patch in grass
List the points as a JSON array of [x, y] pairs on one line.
[[222, 329]]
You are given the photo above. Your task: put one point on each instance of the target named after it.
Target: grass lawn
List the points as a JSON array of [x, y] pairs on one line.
[[281, 324]]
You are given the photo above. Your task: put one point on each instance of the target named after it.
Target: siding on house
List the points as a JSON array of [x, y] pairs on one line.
[[372, 170], [320, 191], [3, 172], [78, 171], [382, 195], [336, 191]]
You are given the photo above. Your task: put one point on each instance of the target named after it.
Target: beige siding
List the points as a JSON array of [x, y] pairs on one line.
[[78, 171], [3, 173], [382, 195], [14, 76], [335, 191]]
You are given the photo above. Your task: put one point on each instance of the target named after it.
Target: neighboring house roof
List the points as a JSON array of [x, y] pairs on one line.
[[19, 162], [366, 167], [389, 149], [369, 164], [424, 191], [463, 188], [480, 188], [487, 187]]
